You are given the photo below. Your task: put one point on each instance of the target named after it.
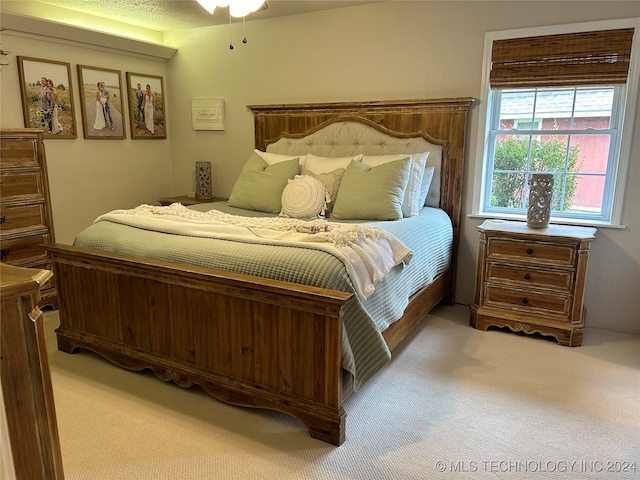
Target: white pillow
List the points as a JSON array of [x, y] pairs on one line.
[[272, 158], [433, 196], [427, 179], [318, 165], [411, 204], [303, 197]]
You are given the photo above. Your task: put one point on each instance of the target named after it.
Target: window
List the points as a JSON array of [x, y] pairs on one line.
[[569, 133], [561, 104]]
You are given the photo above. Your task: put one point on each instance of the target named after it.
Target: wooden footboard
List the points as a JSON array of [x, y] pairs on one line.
[[247, 341]]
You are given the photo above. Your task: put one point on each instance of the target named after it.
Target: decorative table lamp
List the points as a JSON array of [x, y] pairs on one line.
[[203, 181], [540, 194]]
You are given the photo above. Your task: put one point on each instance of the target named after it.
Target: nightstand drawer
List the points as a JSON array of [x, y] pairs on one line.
[[531, 252], [547, 303], [529, 276]]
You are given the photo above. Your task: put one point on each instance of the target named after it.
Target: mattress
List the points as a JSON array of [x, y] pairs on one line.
[[364, 351]]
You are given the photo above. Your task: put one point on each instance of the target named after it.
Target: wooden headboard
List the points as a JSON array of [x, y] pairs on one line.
[[443, 120]]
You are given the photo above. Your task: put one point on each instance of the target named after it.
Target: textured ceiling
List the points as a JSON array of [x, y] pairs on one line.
[[166, 15]]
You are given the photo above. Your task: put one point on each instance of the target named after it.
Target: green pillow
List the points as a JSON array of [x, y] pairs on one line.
[[372, 193], [259, 186]]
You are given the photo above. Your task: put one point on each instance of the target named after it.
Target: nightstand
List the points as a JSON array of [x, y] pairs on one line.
[[532, 280], [186, 200]]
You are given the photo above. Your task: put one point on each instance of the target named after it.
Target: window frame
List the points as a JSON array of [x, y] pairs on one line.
[[617, 169]]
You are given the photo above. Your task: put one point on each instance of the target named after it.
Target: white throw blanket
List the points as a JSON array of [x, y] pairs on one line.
[[368, 253]]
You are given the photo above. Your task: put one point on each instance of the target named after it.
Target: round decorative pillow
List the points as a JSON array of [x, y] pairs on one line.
[[303, 197]]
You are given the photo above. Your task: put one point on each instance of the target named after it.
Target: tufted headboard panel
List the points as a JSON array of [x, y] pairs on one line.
[[351, 136], [348, 136]]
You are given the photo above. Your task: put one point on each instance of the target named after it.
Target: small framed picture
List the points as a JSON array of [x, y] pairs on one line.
[[47, 97], [101, 103], [146, 106]]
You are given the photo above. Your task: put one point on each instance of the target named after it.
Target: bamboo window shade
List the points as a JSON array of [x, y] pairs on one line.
[[587, 58]]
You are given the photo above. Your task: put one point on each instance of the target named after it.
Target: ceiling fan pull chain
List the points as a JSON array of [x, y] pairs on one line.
[[230, 32], [244, 30]]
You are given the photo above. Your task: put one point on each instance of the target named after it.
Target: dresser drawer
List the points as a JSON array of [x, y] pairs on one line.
[[527, 301], [23, 217], [531, 252], [22, 249], [23, 184], [18, 152], [529, 276]]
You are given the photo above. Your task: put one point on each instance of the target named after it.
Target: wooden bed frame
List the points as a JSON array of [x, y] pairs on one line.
[[262, 343]]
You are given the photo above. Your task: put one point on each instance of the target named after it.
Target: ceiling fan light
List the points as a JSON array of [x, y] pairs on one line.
[[242, 8]]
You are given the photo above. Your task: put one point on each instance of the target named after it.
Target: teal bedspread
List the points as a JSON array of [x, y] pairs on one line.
[[429, 235]]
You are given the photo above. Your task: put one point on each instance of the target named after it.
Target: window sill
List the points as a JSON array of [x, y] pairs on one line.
[[555, 221]]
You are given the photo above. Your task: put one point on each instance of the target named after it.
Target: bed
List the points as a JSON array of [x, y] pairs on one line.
[[250, 340]]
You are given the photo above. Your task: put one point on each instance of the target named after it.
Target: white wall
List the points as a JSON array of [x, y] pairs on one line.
[[380, 51]]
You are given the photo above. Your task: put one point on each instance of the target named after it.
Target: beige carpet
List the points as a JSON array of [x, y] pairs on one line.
[[453, 403]]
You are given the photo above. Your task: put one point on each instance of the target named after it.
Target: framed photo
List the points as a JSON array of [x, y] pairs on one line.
[[101, 102], [146, 106], [47, 97]]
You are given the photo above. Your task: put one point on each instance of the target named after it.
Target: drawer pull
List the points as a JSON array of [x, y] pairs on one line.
[[527, 276], [525, 301], [4, 253], [529, 251], [3, 219]]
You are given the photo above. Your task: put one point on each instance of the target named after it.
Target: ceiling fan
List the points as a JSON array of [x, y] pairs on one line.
[[238, 9]]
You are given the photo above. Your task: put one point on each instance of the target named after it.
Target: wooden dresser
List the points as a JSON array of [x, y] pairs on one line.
[[532, 280], [26, 221], [25, 376]]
